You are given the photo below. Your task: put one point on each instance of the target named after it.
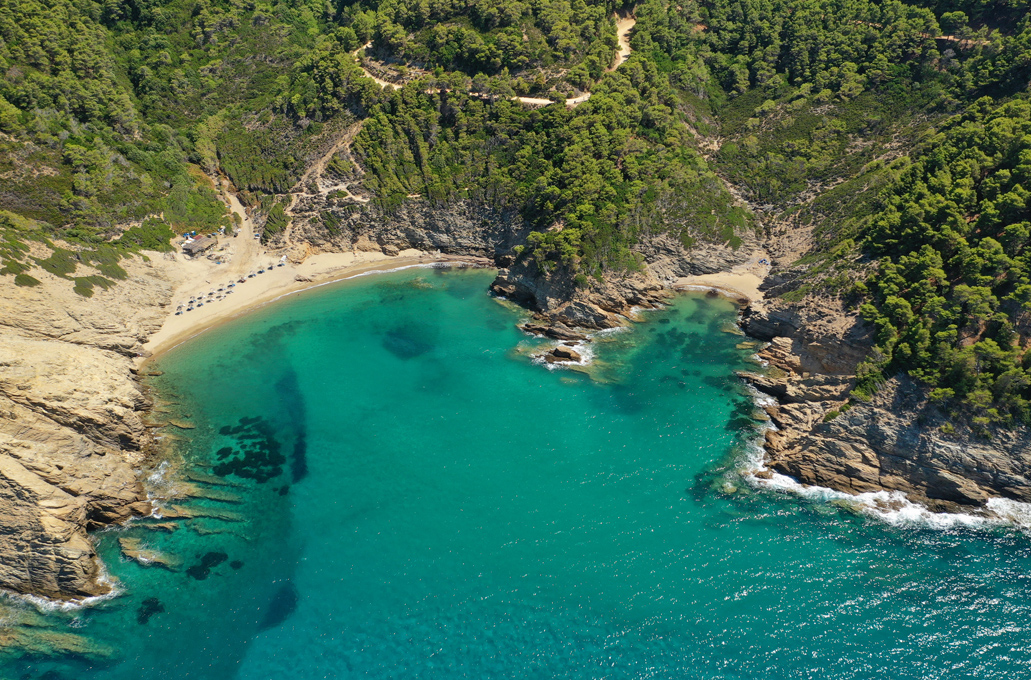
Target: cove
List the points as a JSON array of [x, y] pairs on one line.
[[382, 485]]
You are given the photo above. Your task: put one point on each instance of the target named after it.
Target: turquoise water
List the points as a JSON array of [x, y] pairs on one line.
[[409, 496]]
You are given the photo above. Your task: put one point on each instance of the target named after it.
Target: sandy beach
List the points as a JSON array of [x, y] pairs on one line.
[[742, 281], [244, 255]]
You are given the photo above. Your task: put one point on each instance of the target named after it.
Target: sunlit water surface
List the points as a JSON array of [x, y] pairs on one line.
[[402, 493]]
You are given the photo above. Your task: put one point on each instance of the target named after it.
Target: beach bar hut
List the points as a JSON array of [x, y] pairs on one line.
[[198, 246]]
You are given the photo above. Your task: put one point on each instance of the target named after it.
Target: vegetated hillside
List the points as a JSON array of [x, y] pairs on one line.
[[115, 114], [952, 297], [79, 159], [483, 36], [897, 133]]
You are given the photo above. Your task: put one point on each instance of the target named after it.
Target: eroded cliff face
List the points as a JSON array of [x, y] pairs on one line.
[[70, 427], [896, 441], [459, 228]]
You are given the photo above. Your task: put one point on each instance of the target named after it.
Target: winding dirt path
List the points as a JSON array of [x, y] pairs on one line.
[[624, 24]]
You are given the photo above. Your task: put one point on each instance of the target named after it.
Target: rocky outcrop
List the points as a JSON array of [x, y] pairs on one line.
[[562, 354], [70, 427], [896, 441], [668, 260], [135, 549], [560, 303]]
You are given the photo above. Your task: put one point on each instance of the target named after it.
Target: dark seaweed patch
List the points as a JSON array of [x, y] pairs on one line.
[[283, 604], [149, 608], [49, 675], [739, 424], [699, 316], [258, 454], [721, 383], [236, 564], [405, 343], [202, 569], [673, 379]]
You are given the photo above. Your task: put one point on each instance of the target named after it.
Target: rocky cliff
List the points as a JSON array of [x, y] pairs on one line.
[[461, 227], [897, 441], [556, 298], [70, 427]]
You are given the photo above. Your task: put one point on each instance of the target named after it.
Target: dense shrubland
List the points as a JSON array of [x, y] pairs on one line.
[[951, 299], [903, 132], [486, 36]]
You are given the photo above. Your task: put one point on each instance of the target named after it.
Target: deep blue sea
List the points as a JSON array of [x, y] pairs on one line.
[[382, 484]]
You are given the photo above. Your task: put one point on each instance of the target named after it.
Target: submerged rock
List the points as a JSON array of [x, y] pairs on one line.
[[167, 527], [134, 549]]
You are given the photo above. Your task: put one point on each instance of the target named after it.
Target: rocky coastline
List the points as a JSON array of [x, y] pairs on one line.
[[72, 428], [898, 440]]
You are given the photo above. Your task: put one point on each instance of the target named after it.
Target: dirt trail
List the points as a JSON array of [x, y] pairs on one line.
[[315, 172], [319, 166], [624, 24]]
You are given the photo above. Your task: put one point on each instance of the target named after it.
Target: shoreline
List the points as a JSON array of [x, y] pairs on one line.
[[315, 271], [741, 283]]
